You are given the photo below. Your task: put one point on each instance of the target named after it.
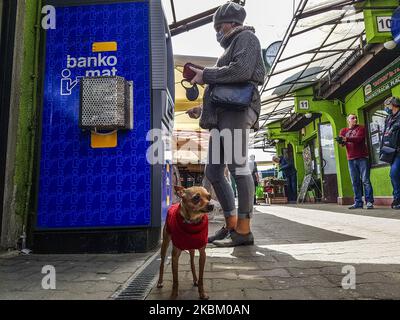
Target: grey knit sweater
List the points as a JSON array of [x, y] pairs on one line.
[[241, 62]]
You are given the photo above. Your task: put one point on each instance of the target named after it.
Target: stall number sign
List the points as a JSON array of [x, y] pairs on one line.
[[384, 24], [303, 105]]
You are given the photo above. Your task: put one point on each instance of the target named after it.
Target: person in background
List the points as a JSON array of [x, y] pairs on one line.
[[354, 139], [176, 181], [391, 134], [208, 186], [228, 175], [254, 174], [290, 174], [233, 185], [231, 181]]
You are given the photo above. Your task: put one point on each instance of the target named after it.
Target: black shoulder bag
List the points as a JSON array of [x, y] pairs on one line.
[[233, 96], [387, 154]]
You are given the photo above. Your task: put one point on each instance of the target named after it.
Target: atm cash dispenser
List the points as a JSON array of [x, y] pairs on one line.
[[108, 80]]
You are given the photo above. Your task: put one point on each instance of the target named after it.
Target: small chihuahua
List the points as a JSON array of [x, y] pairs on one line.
[[187, 227]]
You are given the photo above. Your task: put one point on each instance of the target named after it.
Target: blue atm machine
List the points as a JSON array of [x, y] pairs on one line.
[[108, 80]]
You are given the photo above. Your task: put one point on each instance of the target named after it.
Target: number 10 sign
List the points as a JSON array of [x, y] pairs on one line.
[[384, 24]]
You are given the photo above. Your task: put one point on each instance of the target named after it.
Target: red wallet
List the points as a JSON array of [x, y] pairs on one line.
[[188, 73]]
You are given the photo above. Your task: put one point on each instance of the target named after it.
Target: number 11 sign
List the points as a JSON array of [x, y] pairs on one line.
[[303, 105]]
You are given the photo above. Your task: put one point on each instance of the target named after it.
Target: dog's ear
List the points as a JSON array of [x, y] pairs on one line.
[[180, 191]]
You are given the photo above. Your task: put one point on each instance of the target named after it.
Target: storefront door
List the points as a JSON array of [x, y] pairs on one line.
[[316, 168], [328, 163]]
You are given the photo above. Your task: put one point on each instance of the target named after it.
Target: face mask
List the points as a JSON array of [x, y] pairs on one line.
[[219, 36], [389, 111]]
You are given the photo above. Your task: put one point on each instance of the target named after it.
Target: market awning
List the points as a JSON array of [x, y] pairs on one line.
[[320, 37]]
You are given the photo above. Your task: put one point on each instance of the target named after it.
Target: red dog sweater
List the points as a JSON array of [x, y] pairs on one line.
[[186, 236]]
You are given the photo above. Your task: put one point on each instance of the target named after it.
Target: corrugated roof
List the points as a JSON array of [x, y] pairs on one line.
[[320, 37]]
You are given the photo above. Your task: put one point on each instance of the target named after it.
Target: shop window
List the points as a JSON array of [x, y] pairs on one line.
[[375, 120]]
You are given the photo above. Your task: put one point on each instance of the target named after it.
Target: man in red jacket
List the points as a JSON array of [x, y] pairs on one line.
[[354, 139]]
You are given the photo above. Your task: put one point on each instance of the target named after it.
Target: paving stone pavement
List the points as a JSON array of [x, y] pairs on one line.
[[299, 253], [78, 277]]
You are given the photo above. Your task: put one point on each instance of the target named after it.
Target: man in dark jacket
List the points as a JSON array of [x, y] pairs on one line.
[[241, 62], [391, 138], [354, 139], [290, 174]]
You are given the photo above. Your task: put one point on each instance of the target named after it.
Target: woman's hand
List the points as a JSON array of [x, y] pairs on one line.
[[198, 78], [195, 112]]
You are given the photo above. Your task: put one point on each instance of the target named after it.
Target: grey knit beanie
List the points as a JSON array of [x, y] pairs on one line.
[[229, 12]]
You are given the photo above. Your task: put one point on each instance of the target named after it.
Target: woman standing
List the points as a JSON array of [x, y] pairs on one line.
[[391, 138], [241, 62]]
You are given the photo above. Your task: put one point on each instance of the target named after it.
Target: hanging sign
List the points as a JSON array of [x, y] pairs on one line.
[[382, 81]]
